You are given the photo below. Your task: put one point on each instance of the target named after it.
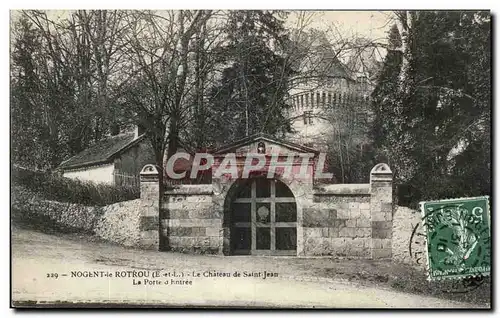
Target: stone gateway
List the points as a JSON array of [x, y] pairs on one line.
[[281, 215]]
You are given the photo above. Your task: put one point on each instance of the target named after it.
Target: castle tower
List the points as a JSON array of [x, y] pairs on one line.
[[314, 104]]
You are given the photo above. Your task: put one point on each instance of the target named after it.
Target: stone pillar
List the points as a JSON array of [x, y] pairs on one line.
[[150, 208], [381, 211]]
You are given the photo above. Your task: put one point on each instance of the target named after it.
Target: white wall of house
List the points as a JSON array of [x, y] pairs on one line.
[[97, 174]]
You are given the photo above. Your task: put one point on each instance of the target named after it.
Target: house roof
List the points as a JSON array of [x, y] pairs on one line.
[[263, 137], [101, 152]]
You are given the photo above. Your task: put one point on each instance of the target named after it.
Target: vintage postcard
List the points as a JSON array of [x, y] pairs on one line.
[[250, 159]]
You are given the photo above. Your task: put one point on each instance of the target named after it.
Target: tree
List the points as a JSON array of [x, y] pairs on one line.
[[206, 62], [394, 38], [43, 84], [158, 79], [348, 145], [99, 35], [27, 127], [384, 99], [62, 70], [317, 56], [250, 95], [432, 103]]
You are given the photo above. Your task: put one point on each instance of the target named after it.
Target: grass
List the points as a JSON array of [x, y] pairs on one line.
[[403, 278], [417, 283]]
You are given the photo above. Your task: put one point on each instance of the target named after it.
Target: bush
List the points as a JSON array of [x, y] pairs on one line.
[[53, 187], [28, 210]]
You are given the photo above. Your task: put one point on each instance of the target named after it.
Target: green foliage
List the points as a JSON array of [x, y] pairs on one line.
[[432, 122], [53, 187], [250, 97], [29, 210], [384, 97]]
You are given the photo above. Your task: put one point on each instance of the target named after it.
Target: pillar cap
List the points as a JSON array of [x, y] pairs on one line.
[[149, 170], [381, 168]]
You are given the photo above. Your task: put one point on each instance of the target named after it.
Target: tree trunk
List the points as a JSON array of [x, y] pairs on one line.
[[406, 20]]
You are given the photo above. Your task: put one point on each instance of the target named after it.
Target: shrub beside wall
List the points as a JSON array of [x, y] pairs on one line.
[[30, 210], [57, 188]]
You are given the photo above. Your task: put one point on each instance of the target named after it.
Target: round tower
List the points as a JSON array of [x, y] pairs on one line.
[[313, 105]]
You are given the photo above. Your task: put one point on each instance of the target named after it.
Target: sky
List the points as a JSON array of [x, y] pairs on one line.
[[369, 24], [338, 24]]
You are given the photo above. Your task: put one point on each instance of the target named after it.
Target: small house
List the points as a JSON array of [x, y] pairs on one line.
[[116, 160]]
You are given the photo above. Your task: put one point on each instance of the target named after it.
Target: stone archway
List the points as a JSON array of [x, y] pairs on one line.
[[260, 218]]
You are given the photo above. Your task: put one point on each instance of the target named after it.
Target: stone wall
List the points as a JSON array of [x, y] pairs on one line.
[[189, 221], [117, 223], [404, 223], [349, 220], [28, 209], [341, 220], [338, 221], [120, 223]]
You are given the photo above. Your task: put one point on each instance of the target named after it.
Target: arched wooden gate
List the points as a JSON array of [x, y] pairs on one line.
[[263, 219]]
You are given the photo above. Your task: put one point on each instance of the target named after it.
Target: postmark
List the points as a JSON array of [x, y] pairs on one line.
[[417, 239], [465, 285], [458, 237]]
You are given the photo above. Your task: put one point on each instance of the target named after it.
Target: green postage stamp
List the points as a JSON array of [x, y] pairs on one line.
[[458, 237]]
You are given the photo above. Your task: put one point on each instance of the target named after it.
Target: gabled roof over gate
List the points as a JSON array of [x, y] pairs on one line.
[[251, 141]]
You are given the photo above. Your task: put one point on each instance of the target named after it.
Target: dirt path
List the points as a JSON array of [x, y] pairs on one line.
[[300, 282]]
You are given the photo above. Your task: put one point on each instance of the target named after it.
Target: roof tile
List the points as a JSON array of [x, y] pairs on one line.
[[100, 152]]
